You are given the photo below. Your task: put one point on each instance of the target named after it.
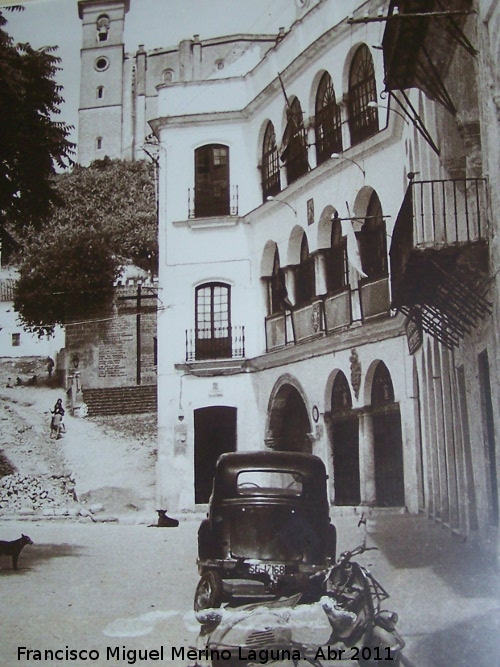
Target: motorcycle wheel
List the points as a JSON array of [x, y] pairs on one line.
[[208, 593]]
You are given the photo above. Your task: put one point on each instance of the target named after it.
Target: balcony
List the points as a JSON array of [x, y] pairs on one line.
[[374, 295], [439, 257], [338, 311], [217, 343], [325, 315], [279, 330], [212, 202], [309, 321]]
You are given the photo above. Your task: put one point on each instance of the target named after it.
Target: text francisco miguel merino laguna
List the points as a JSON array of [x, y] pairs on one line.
[[133, 656]]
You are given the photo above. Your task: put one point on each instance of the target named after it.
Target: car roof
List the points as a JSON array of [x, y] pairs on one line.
[[307, 464]]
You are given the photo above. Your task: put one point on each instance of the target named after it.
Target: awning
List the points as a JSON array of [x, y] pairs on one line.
[[418, 45]]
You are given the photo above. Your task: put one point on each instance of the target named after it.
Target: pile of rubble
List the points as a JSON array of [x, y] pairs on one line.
[[27, 494]]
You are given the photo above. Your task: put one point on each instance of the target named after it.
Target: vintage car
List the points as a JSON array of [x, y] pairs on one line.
[[268, 530]]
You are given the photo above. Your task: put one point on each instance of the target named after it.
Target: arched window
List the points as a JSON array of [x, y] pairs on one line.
[[337, 275], [213, 321], [372, 240], [341, 394], [100, 92], [363, 120], [270, 166], [277, 286], [327, 121], [102, 28], [304, 275], [98, 143], [211, 186], [294, 153], [382, 389]]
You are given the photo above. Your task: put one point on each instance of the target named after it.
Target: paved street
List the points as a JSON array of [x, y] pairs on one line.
[[94, 586]]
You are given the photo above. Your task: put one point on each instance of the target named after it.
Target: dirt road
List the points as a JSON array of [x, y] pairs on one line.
[[111, 459]]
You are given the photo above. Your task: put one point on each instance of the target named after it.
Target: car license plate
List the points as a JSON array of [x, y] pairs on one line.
[[272, 570]]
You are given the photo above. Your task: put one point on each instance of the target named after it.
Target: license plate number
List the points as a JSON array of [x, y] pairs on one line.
[[272, 570]]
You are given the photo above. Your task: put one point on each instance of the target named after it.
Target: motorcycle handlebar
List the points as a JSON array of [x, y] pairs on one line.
[[346, 556]]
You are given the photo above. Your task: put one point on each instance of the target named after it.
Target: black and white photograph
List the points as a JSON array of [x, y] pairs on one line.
[[249, 333]]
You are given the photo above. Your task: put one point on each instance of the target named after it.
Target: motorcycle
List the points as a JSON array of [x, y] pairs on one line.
[[343, 620]]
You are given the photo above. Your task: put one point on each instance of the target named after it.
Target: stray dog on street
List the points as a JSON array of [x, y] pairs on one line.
[[164, 521], [14, 548]]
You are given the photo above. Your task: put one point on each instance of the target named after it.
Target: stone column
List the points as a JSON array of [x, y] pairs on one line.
[[367, 460]]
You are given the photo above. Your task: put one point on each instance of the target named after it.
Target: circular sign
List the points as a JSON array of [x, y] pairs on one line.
[[315, 414]]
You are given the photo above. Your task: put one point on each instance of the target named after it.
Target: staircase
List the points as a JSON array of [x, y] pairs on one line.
[[121, 400]]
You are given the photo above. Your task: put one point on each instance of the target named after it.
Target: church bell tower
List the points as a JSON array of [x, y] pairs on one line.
[[100, 114]]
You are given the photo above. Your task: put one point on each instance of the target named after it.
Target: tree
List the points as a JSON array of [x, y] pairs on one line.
[[31, 142], [116, 197], [106, 219]]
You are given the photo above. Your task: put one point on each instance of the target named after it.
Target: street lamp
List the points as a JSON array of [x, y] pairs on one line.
[[338, 156], [281, 201]]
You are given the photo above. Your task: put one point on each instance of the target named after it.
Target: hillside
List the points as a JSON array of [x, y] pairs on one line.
[[108, 461]]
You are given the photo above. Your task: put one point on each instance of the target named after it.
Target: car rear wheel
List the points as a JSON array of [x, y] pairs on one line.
[[208, 593]]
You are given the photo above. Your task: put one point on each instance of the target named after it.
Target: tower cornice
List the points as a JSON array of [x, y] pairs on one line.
[[99, 3]]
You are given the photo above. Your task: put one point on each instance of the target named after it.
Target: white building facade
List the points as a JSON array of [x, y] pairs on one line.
[[328, 255], [275, 339]]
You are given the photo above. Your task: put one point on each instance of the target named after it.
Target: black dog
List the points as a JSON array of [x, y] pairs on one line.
[[164, 521], [14, 548]]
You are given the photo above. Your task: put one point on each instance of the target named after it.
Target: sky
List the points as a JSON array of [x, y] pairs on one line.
[[154, 23]]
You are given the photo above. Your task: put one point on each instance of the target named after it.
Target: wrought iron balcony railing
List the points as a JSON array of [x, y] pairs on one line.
[[439, 257], [215, 343], [448, 211]]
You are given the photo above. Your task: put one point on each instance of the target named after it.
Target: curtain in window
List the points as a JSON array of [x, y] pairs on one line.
[[337, 275], [294, 153]]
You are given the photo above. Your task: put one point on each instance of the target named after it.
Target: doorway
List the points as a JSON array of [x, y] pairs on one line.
[[387, 441], [289, 426], [345, 444], [214, 434]]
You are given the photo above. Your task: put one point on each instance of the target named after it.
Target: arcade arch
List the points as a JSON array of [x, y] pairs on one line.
[[288, 423]]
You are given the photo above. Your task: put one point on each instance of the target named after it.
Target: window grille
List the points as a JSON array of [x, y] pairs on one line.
[[271, 184], [328, 121], [363, 120]]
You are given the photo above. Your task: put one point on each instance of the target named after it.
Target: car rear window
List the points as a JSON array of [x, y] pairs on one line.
[[269, 482]]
